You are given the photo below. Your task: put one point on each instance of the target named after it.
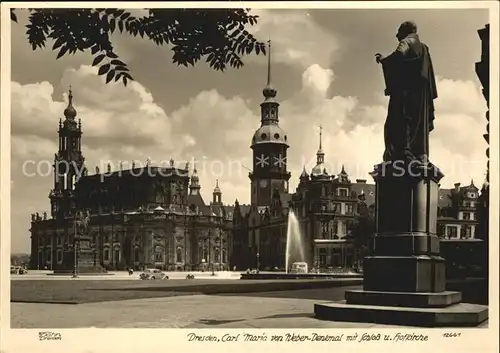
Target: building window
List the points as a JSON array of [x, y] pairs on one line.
[[49, 255], [158, 257], [106, 254], [342, 192], [468, 232], [323, 191], [224, 256], [178, 255], [59, 256], [349, 209], [58, 240], [136, 255], [322, 257], [344, 228], [451, 232], [466, 216], [117, 256]]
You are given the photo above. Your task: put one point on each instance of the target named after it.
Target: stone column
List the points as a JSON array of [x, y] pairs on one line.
[[404, 279], [406, 246]]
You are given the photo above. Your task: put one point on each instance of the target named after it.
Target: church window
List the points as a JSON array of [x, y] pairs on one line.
[[276, 136], [106, 255], [263, 136]]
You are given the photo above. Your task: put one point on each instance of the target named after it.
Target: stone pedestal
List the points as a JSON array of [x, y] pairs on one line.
[[404, 280], [85, 260]]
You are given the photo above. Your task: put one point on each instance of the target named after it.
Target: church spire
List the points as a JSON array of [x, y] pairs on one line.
[[269, 91], [320, 155], [195, 186]]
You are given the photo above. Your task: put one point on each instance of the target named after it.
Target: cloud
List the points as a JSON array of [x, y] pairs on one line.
[[294, 36]]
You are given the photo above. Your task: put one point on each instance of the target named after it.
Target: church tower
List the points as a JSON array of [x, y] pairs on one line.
[[194, 187], [68, 163], [217, 194], [269, 145]]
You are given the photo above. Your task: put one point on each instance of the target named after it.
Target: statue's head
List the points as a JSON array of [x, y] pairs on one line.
[[406, 29]]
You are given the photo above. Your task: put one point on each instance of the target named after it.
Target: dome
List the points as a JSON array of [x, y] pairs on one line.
[[319, 169], [269, 134], [70, 112]]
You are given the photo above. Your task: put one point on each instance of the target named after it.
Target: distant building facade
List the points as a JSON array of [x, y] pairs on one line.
[[457, 212]]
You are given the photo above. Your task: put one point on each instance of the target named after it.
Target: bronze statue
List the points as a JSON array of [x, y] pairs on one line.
[[411, 86]]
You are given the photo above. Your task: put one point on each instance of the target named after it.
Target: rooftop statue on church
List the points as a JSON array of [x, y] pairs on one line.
[[411, 86]]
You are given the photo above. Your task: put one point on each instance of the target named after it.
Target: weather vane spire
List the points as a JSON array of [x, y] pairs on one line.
[[269, 62]]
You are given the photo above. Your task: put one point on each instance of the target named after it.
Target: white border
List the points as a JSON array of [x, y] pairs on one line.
[[96, 340]]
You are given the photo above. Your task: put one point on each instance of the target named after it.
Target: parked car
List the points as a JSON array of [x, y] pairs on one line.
[[18, 270], [153, 273]]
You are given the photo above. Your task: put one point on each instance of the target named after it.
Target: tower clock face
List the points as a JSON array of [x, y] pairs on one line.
[[263, 183]]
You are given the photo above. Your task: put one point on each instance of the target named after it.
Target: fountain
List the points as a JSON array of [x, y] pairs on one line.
[[296, 252], [294, 242]]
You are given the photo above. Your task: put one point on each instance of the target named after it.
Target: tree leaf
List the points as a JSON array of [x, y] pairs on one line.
[[98, 59], [121, 68], [120, 26], [111, 55], [62, 52], [103, 69], [58, 43], [94, 49], [13, 16], [118, 62], [110, 76]]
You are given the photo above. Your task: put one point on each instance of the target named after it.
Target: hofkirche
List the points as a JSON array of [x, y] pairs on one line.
[[156, 216]]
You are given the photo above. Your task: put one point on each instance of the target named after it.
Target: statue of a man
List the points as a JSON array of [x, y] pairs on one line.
[[411, 85]]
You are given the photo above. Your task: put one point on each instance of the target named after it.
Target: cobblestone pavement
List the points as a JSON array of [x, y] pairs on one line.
[[284, 309]]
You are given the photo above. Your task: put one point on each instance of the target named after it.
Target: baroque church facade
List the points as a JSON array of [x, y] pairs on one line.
[[136, 218]]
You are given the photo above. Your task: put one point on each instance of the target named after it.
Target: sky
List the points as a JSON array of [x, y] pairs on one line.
[[322, 66]]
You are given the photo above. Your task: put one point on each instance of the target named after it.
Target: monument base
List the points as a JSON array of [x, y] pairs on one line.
[[408, 300], [404, 282], [456, 315], [83, 270]]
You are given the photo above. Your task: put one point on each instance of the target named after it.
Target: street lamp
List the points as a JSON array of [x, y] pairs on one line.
[[75, 244]]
